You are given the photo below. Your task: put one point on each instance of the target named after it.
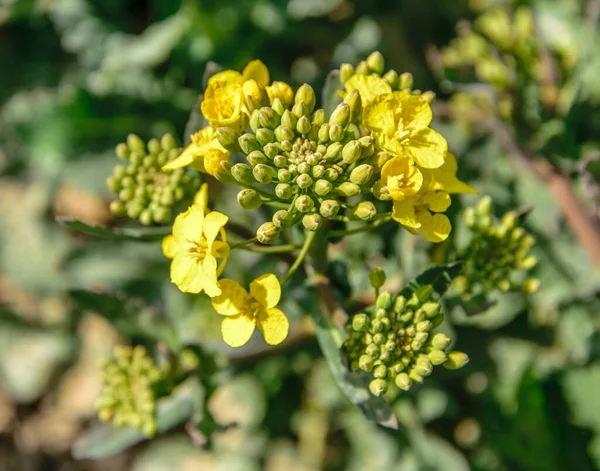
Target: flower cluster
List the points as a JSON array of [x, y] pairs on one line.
[[145, 192], [131, 384], [393, 341], [498, 255]]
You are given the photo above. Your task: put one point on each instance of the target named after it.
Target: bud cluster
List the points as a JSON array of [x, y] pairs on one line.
[[309, 162], [131, 383], [375, 65], [394, 342], [145, 191], [498, 255]]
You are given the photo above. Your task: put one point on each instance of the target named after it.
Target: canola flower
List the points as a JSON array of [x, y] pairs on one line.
[[244, 311]]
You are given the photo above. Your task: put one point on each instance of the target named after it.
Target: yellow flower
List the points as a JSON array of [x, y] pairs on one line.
[[202, 142], [223, 101], [245, 311], [201, 197], [444, 178], [194, 250], [282, 91], [400, 124], [368, 86], [400, 178]]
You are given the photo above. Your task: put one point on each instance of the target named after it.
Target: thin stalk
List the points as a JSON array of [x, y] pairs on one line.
[[367, 227], [239, 245], [285, 248], [310, 237]]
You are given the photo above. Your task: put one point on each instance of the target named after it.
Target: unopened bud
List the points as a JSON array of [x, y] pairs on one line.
[[267, 233], [456, 360], [284, 134], [304, 203], [384, 300], [263, 173], [391, 77], [354, 104], [323, 134], [423, 326], [361, 174], [406, 81], [303, 126], [431, 309], [304, 181], [122, 151], [323, 187], [440, 341], [280, 161], [135, 143], [265, 136], [255, 120], [360, 322], [424, 293], [437, 357], [531, 285], [268, 118], [278, 106], [346, 71], [403, 381], [329, 208], [365, 363], [529, 262], [228, 139], [362, 68], [282, 219], [288, 120], [399, 304], [283, 191], [248, 143], [376, 62], [365, 211], [312, 221], [340, 115], [380, 371], [377, 277], [333, 151], [428, 96], [256, 157], [348, 189], [336, 133], [284, 175], [243, 173], [306, 94], [351, 152], [249, 199], [378, 387]]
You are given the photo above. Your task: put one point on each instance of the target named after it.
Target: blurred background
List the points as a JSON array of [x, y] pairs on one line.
[[76, 76]]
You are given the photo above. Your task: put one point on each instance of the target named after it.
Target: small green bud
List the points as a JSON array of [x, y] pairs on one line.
[[336, 132], [161, 214], [348, 189], [423, 369], [323, 133], [242, 173], [380, 371], [378, 387], [283, 219], [304, 203], [248, 143], [265, 136], [134, 210], [323, 187], [267, 233], [428, 96], [284, 175], [113, 184], [376, 62], [456, 360], [249, 199], [126, 194], [288, 120], [421, 336], [362, 68], [415, 376], [304, 181], [333, 151], [440, 341], [303, 126], [319, 117], [283, 191], [146, 217], [351, 152], [529, 262], [391, 77], [423, 326], [384, 300], [312, 222], [263, 173], [122, 151], [424, 293], [280, 161], [365, 211], [331, 174], [228, 139], [399, 304], [268, 118], [154, 146], [278, 106], [329, 208], [360, 322], [340, 115], [306, 94], [361, 174], [530, 285], [377, 277], [403, 381], [431, 309], [355, 106], [503, 285], [365, 363], [437, 357], [406, 81], [256, 157], [135, 143], [484, 206], [255, 120], [284, 134], [117, 208], [271, 150], [346, 71]]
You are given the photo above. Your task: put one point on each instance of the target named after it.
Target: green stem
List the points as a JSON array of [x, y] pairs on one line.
[[239, 245], [276, 204], [367, 227], [310, 237], [271, 248]]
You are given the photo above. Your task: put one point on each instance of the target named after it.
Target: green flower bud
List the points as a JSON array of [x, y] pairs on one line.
[[376, 62], [263, 173], [243, 173], [403, 381], [289, 120], [312, 222], [354, 103], [249, 199], [268, 118], [399, 304], [278, 106], [424, 293], [529, 262], [117, 208], [372, 350], [360, 322], [280, 161], [248, 143], [306, 94], [304, 203], [437, 357], [323, 134], [380, 371], [283, 219], [113, 184], [284, 134], [228, 139], [333, 151], [423, 326], [415, 376], [351, 152], [146, 217], [362, 68], [428, 96], [154, 146], [377, 277], [329, 208], [406, 81], [361, 174], [283, 191], [267, 233], [331, 174], [346, 71], [336, 133], [304, 181], [530, 285], [384, 300], [284, 175], [134, 143], [423, 369], [348, 189], [271, 150], [378, 387], [122, 151], [365, 363], [456, 360], [256, 157], [365, 211], [340, 115], [265, 136], [431, 309], [391, 77], [319, 118], [162, 214], [126, 194], [484, 206], [440, 341], [255, 120], [317, 171], [323, 187], [303, 126]]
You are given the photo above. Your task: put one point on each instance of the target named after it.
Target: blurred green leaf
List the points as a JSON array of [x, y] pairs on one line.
[[439, 277], [122, 233], [331, 98]]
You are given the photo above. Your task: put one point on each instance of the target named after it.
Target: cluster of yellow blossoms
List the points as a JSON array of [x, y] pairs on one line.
[[382, 124]]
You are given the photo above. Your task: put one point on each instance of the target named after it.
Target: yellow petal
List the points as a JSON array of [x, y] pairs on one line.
[[220, 249], [414, 111], [266, 290], [237, 330], [404, 213], [214, 160], [232, 300], [169, 246], [274, 325], [435, 228], [369, 86], [188, 225], [444, 178], [201, 197], [378, 115], [189, 154], [186, 273], [213, 223], [282, 91], [427, 147], [209, 276], [438, 201], [224, 108], [222, 79], [256, 70]]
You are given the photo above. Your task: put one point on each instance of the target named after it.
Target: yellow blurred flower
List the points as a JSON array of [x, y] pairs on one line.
[[245, 311], [194, 249], [202, 142], [400, 178], [282, 91], [400, 124], [368, 86]]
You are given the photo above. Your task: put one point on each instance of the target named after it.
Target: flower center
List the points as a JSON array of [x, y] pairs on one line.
[[197, 249], [253, 308]]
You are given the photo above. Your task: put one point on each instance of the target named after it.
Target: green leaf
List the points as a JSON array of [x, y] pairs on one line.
[[104, 440], [128, 317], [120, 233], [439, 277], [330, 96], [354, 385]]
